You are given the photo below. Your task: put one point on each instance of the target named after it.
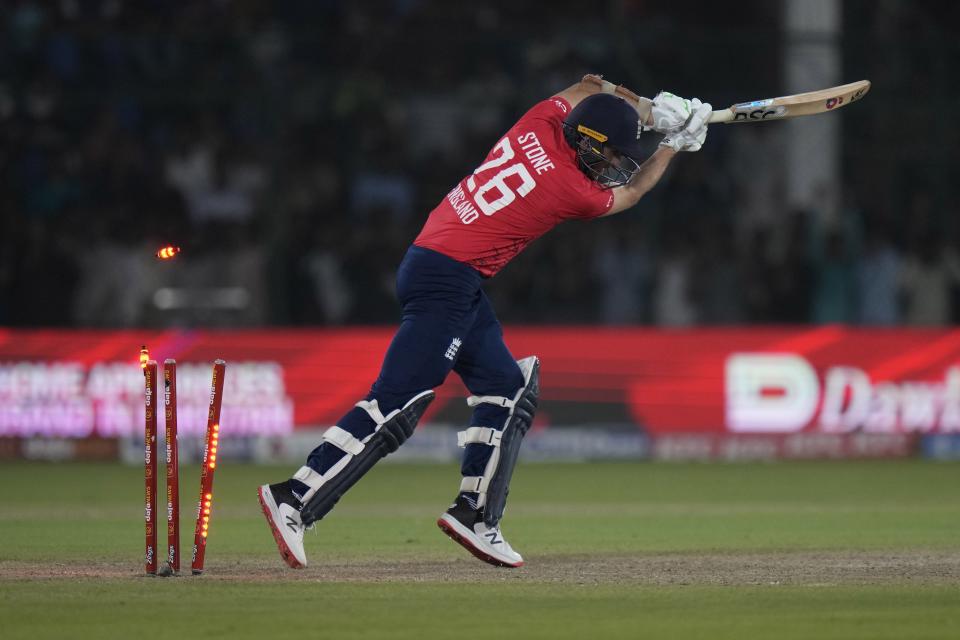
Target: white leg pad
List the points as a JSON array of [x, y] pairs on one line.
[[346, 442], [493, 437]]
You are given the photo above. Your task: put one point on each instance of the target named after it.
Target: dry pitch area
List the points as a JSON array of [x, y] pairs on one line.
[[825, 568]]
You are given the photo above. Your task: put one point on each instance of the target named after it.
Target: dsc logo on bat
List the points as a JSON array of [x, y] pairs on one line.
[[744, 112]]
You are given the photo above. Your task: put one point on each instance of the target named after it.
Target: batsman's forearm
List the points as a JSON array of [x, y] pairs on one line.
[[647, 176], [651, 171]]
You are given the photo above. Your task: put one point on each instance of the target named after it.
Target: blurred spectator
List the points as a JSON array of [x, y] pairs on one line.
[[760, 196], [926, 280], [116, 282], [834, 291], [757, 268], [323, 265], [673, 304], [622, 264], [792, 277], [717, 277], [878, 278]]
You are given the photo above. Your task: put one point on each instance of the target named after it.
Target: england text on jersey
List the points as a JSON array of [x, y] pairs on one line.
[[462, 205]]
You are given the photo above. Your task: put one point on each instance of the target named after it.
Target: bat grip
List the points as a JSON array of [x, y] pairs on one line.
[[723, 115]]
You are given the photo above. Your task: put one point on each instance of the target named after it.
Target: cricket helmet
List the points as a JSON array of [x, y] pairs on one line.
[[602, 122]]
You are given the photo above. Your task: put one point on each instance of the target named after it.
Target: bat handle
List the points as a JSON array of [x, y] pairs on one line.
[[645, 105], [723, 115]]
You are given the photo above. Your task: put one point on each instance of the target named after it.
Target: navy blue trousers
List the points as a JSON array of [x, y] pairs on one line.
[[447, 323]]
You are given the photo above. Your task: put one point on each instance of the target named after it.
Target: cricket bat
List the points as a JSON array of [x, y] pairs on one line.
[[801, 104]]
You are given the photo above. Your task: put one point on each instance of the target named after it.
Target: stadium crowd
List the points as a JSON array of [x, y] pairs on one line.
[[294, 149]]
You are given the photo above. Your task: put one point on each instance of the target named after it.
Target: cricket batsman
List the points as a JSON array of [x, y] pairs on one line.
[[575, 155]]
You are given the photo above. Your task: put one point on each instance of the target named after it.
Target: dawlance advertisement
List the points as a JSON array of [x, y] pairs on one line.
[[826, 380], [660, 383], [785, 393]]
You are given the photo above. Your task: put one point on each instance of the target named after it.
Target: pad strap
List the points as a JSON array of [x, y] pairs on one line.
[[499, 401], [475, 484], [373, 410], [343, 439], [479, 435], [309, 477]]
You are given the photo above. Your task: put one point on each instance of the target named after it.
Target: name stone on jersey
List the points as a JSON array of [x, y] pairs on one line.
[[532, 148]]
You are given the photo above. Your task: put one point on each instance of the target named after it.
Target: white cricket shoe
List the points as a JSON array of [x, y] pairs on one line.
[[465, 525], [282, 511]]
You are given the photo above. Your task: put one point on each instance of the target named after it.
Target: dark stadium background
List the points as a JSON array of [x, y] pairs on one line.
[[293, 149]]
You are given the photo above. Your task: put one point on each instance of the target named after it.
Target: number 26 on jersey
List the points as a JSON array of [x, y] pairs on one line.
[[494, 194]]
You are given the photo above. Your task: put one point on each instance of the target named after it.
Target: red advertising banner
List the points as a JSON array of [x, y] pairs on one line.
[[827, 379]]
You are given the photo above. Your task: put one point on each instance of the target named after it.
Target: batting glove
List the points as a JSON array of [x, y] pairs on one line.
[[694, 134], [671, 113]]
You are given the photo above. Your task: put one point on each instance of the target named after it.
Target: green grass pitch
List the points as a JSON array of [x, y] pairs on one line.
[[786, 550]]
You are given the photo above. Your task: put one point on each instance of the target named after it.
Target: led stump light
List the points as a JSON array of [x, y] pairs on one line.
[[167, 252]]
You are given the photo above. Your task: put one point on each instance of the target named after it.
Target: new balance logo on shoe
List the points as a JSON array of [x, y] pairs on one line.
[[452, 349], [493, 537], [292, 524]]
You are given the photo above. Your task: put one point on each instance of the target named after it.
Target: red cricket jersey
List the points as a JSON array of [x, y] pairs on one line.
[[529, 184]]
